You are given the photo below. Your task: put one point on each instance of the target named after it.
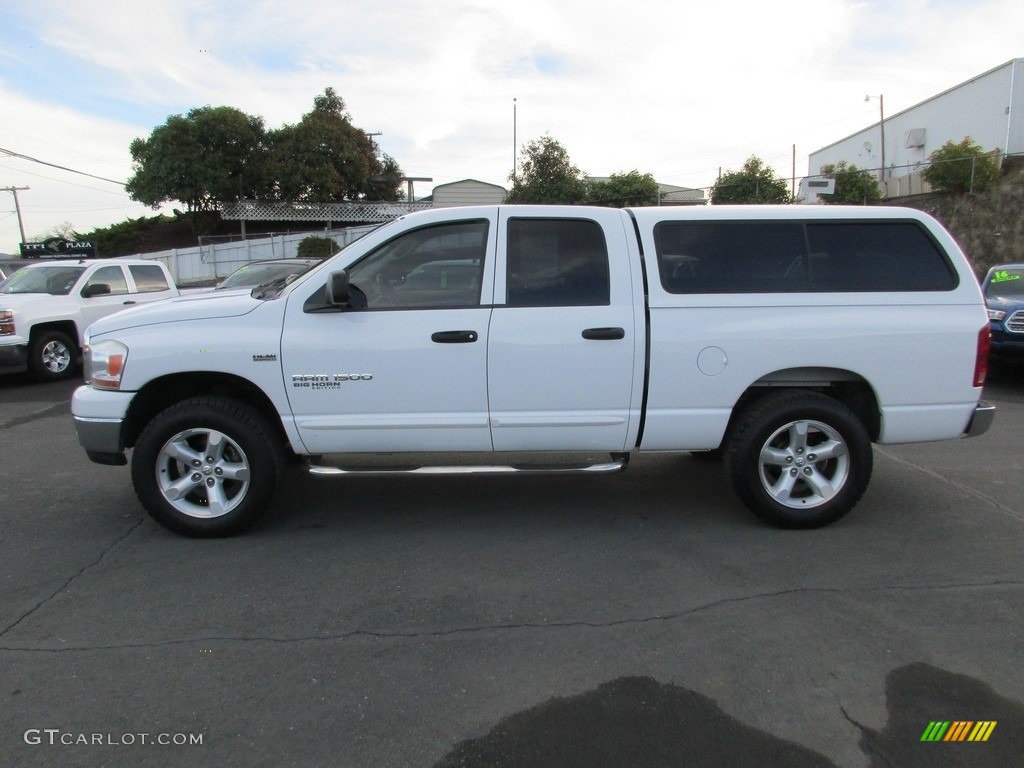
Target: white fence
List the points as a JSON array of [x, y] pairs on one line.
[[205, 264]]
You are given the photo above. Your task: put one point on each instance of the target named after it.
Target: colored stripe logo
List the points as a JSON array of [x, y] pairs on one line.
[[958, 730]]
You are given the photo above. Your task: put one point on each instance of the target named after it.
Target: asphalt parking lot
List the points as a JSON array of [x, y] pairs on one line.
[[643, 619]]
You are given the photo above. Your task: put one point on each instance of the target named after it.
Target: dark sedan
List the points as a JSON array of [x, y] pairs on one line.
[[1004, 297]]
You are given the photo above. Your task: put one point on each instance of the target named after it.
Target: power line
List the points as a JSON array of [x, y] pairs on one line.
[[11, 153]]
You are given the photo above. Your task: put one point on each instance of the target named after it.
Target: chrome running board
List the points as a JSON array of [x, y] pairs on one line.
[[618, 463]]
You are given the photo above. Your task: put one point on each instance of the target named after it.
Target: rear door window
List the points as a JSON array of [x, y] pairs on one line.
[[149, 278], [557, 263]]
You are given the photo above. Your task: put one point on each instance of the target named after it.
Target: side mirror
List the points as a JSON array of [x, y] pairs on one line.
[[338, 292], [342, 294], [95, 289]]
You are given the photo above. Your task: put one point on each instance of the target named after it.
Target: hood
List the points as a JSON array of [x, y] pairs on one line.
[[197, 306], [24, 301]]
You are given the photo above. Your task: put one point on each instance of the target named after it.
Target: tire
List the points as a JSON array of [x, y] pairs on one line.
[[799, 459], [52, 356], [207, 467]]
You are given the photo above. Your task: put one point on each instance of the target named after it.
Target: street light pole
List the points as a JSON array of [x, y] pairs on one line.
[[881, 129], [515, 149]]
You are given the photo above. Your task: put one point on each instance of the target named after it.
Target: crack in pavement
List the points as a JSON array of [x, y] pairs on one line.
[[72, 578], [413, 635]]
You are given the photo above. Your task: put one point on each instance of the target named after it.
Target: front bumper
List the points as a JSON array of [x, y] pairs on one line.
[[14, 357], [981, 419], [99, 417]]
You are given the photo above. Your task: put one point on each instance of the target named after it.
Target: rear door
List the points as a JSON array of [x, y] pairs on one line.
[[563, 368]]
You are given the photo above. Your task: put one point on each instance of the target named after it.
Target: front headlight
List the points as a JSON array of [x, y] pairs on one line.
[[104, 363], [6, 322], [996, 314]]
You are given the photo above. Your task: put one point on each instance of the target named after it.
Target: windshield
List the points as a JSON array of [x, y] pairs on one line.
[[55, 280], [258, 274], [1006, 282]]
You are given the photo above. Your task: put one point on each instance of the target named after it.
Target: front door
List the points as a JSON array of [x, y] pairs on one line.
[[101, 305], [407, 372]]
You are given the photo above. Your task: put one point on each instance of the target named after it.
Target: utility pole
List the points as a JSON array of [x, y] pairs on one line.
[[515, 149], [792, 187], [881, 130], [14, 191]]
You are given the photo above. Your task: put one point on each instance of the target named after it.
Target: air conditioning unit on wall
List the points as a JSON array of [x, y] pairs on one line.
[[914, 138]]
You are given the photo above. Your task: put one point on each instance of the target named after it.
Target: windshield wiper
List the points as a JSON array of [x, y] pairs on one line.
[[271, 289]]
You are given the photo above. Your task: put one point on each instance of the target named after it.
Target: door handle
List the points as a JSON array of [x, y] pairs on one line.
[[130, 301], [604, 334], [454, 337]]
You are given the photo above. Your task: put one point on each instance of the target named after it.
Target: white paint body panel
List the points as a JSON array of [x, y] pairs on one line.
[[531, 382]]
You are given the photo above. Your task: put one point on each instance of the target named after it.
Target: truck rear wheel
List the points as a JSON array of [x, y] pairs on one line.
[[207, 466], [799, 459], [52, 356]]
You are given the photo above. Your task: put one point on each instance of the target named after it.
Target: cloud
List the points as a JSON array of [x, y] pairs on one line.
[[675, 89]]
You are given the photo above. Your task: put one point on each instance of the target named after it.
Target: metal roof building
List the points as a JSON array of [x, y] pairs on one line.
[[988, 108]]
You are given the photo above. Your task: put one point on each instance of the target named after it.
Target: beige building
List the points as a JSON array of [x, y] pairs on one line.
[[466, 192]]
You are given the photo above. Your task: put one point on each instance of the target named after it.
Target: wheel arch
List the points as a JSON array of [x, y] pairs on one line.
[[161, 393], [67, 327], [847, 387]]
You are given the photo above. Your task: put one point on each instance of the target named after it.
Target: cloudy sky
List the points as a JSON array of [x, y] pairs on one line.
[[676, 88]]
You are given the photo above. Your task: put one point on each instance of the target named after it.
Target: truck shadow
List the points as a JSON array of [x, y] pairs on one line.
[[665, 487]]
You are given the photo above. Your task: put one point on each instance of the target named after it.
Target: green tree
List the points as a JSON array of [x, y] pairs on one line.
[[316, 247], [547, 175], [623, 189], [755, 183], [963, 167], [853, 186], [132, 235], [325, 158], [209, 156]]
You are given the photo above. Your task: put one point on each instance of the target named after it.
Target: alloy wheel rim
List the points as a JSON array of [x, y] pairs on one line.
[[804, 464], [202, 473]]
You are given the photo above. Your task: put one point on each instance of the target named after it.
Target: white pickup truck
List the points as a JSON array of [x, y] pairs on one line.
[[46, 307], [529, 338]]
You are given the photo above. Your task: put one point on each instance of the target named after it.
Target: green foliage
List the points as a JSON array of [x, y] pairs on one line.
[[853, 186], [961, 168], [316, 247], [547, 175], [624, 189], [754, 183], [325, 158], [126, 237], [212, 155], [217, 155]]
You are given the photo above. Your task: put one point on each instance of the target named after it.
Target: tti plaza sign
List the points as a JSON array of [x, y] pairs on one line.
[[58, 248]]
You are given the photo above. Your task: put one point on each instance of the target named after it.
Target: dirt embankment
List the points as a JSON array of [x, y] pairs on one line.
[[988, 226]]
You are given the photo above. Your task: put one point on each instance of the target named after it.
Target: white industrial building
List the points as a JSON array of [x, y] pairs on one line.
[[466, 192], [988, 108]]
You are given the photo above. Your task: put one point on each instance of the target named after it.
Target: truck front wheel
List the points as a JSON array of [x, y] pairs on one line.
[[207, 466], [52, 356], [799, 459]]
